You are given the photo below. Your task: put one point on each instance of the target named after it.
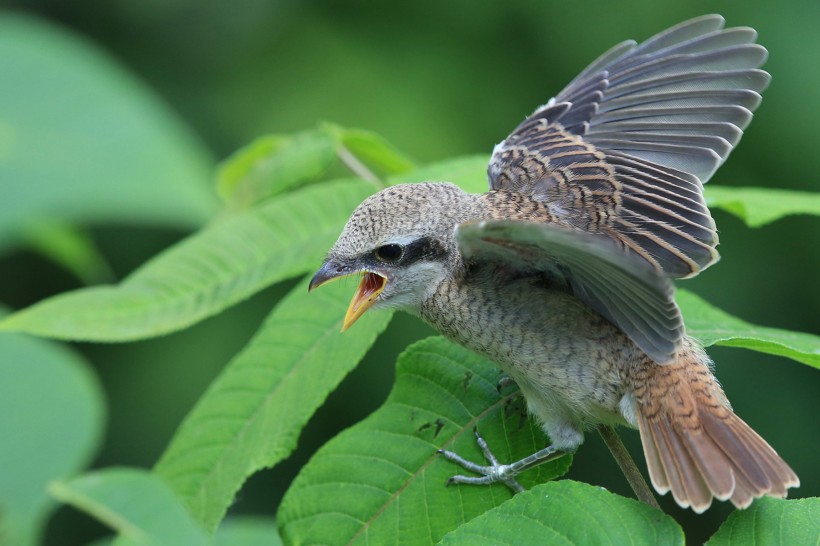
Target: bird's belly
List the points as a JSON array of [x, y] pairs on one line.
[[567, 359]]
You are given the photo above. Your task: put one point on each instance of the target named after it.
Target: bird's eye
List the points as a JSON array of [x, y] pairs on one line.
[[389, 253]]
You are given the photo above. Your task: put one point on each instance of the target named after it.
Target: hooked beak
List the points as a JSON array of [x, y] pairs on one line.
[[370, 286]]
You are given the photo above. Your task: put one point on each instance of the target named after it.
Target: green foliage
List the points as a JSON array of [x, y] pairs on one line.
[[204, 274], [82, 141], [712, 326], [247, 531], [568, 512], [381, 482], [70, 247], [373, 150], [51, 422], [774, 522], [251, 416], [135, 503], [273, 164], [760, 206]]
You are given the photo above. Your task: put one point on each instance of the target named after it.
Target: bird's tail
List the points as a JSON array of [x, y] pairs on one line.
[[695, 446]]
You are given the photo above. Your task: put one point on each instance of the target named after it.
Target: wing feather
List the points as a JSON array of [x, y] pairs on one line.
[[625, 290], [623, 151]]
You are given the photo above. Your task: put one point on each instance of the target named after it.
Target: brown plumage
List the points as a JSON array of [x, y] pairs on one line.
[[561, 272], [694, 445]]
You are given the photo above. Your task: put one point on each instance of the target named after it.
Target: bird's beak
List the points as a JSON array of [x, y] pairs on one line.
[[369, 288]]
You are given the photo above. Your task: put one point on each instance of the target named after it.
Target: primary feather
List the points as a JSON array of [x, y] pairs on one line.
[[624, 149]]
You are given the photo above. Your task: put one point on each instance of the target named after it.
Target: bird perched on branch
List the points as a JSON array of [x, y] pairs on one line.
[[561, 272]]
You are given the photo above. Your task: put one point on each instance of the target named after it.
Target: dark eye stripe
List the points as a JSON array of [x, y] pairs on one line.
[[425, 248]]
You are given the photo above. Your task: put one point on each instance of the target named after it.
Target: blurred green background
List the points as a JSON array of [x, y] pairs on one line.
[[438, 80]]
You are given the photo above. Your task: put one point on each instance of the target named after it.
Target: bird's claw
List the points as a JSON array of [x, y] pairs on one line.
[[492, 473]]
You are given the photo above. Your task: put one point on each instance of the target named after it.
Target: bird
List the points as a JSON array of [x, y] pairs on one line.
[[562, 272]]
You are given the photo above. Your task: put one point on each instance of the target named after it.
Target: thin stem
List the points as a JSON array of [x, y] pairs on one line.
[[359, 169], [627, 465]]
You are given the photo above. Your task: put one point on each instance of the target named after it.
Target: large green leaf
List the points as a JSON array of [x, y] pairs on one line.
[[252, 415], [760, 206], [134, 502], [712, 326], [273, 164], [204, 274], [773, 522], [381, 482], [51, 420], [568, 513], [81, 140]]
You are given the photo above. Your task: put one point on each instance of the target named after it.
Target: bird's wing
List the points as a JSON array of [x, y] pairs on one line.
[[624, 149], [628, 292]]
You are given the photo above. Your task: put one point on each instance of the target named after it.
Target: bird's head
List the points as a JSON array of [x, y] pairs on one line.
[[401, 242]]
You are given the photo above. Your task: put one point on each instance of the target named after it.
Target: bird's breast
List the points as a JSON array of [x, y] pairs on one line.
[[544, 337]]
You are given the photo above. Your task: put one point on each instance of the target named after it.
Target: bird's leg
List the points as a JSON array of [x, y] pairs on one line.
[[496, 472]]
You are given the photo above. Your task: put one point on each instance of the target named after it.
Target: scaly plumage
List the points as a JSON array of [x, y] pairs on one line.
[[561, 272]]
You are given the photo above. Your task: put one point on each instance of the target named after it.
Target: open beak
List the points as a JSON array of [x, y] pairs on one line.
[[370, 286]]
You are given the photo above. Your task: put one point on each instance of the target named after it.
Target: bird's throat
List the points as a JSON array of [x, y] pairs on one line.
[[369, 288]]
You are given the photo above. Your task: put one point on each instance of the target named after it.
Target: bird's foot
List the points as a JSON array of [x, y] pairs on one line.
[[495, 471]]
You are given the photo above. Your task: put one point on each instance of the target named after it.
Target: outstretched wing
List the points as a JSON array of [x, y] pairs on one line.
[[624, 149], [625, 290]]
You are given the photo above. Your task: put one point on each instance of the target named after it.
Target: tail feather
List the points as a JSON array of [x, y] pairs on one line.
[[721, 484], [695, 446], [743, 494], [652, 455], [727, 433], [686, 481], [779, 475]]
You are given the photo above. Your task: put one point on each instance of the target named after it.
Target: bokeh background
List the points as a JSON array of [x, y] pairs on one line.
[[437, 79]]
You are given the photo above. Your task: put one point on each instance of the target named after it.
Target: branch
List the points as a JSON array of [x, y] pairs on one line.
[[627, 466]]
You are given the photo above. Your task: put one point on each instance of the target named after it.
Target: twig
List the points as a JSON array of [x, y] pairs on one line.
[[627, 466], [359, 169]]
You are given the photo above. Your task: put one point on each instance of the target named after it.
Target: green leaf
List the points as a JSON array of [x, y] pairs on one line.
[[134, 502], [51, 421], [773, 522], [372, 149], [205, 273], [760, 206], [273, 164], [712, 326], [252, 415], [248, 531], [69, 247], [568, 512], [381, 481], [81, 140], [470, 173]]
